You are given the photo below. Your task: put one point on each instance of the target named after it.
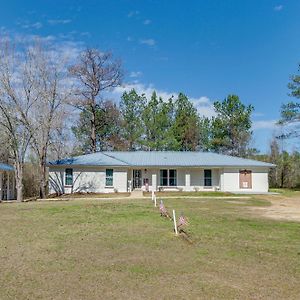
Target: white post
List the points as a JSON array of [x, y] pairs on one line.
[[154, 182], [188, 181], [8, 188], [1, 187], [154, 201], [175, 223], [152, 195]]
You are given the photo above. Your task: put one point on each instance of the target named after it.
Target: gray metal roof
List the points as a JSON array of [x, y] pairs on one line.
[[159, 159], [5, 167]]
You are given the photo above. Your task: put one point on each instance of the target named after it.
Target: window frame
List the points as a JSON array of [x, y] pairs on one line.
[[209, 178], [166, 178], [69, 177], [173, 178], [109, 177]]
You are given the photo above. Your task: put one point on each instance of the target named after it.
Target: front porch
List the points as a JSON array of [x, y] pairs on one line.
[[7, 182], [170, 179]]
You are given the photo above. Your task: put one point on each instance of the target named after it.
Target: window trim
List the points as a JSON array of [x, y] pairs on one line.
[[168, 178], [67, 178], [109, 177], [207, 178]]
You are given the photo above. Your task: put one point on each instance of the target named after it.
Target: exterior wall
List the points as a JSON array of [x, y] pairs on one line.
[[87, 179], [195, 176], [92, 179], [230, 180]]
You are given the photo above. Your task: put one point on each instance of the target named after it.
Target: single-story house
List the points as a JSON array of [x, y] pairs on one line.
[[7, 182], [113, 171]]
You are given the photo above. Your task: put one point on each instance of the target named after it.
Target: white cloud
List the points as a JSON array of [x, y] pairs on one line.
[[59, 21], [30, 38], [147, 22], [258, 114], [130, 39], [133, 13], [278, 7], [148, 42], [140, 88], [264, 124], [57, 47], [85, 34], [36, 25], [204, 106], [135, 74]]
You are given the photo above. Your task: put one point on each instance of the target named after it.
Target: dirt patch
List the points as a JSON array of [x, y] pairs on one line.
[[282, 208]]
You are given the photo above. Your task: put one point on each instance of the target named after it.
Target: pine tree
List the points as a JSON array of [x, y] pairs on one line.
[[158, 119], [186, 124], [231, 128], [132, 107]]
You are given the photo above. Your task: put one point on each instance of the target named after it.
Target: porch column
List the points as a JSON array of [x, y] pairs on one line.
[[8, 187], [1, 186], [154, 182], [187, 181]]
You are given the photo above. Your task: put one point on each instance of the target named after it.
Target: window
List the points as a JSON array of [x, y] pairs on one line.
[[172, 178], [69, 177], [168, 177], [207, 178], [109, 177], [164, 177]]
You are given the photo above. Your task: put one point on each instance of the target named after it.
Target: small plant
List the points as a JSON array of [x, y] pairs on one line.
[[115, 190]]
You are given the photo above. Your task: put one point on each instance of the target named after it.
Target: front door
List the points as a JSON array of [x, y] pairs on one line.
[[137, 179], [245, 179]]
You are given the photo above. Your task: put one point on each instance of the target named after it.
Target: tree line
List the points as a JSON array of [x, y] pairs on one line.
[[46, 100], [138, 123]]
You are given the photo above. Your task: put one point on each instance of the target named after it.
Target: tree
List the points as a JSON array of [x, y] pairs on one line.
[[33, 85], [274, 158], [158, 119], [166, 117], [186, 124], [231, 128], [132, 107], [108, 128], [15, 102], [290, 112], [205, 128], [95, 72], [46, 75]]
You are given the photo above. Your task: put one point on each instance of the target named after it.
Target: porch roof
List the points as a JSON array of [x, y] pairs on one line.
[[159, 159], [5, 167]]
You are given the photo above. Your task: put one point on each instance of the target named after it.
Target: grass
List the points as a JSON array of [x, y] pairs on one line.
[[92, 195], [190, 194], [90, 249], [287, 192]]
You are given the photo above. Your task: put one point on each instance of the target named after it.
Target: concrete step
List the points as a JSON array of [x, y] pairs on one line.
[[136, 194]]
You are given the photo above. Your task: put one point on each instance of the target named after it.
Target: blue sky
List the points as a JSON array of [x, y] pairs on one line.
[[206, 49]]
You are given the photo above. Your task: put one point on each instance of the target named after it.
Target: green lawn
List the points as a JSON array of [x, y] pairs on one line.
[[287, 192], [123, 249]]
